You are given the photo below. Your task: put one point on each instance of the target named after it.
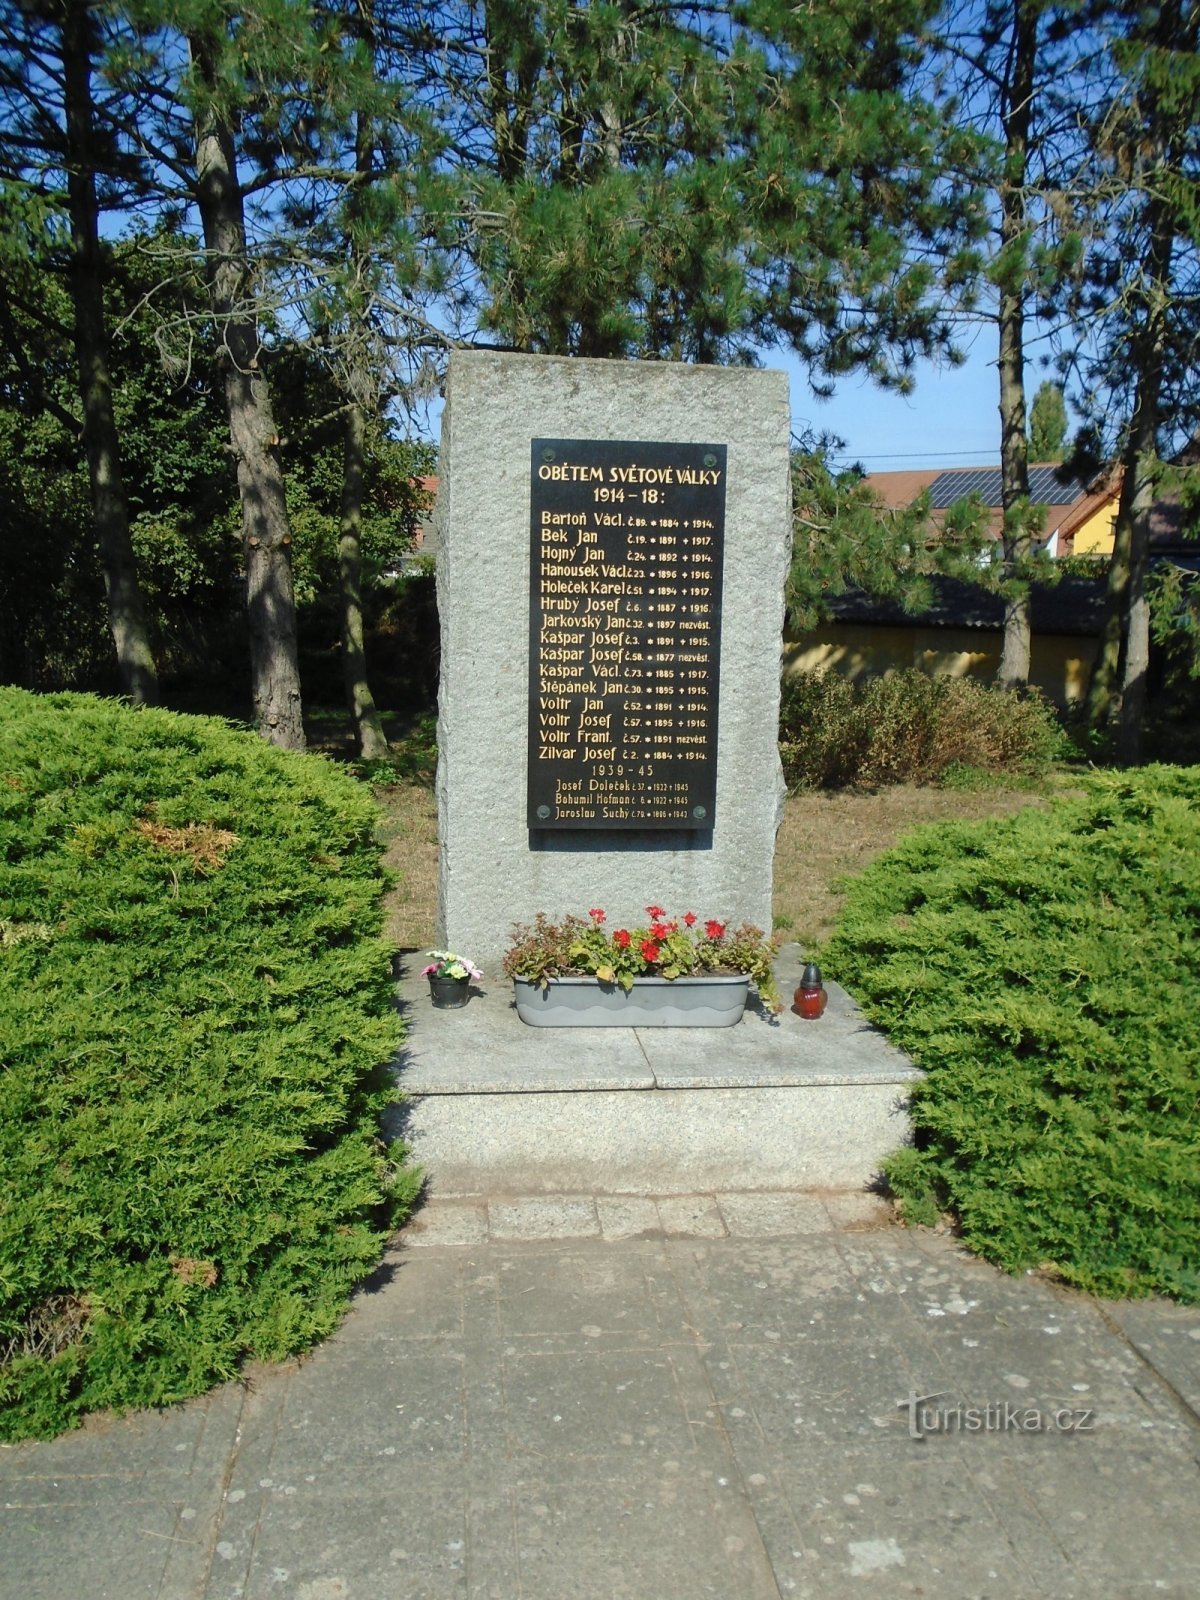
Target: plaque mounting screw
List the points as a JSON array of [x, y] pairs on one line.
[[710, 460], [547, 455], [699, 812], [543, 812]]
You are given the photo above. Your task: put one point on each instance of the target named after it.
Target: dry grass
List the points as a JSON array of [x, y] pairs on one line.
[[410, 829], [825, 836], [831, 834]]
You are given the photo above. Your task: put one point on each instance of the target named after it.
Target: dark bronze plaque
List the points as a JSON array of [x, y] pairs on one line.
[[624, 633]]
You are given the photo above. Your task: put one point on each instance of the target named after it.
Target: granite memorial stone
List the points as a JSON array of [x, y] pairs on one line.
[[613, 544]]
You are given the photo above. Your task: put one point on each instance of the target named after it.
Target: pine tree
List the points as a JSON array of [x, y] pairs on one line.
[[1146, 152], [1047, 424], [691, 184], [54, 150], [1018, 71]]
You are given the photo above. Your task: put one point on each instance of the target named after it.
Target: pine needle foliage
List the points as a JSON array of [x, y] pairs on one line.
[[1045, 971], [195, 1003]]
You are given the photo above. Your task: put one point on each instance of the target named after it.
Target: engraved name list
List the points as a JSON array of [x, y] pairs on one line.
[[625, 628]]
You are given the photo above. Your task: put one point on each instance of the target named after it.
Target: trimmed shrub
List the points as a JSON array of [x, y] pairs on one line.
[[1045, 971], [195, 1010], [909, 727]]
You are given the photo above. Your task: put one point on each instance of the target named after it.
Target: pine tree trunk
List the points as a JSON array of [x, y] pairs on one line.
[[126, 609], [1013, 672], [1124, 655], [372, 742], [1137, 613], [1105, 674], [266, 531]]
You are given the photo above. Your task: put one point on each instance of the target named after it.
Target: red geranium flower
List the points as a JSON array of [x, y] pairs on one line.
[[659, 930], [596, 914], [714, 929], [621, 938], [649, 949], [690, 918], [655, 911]]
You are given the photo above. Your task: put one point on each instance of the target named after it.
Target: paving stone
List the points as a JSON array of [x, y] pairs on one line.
[[548, 1217], [768, 1215], [848, 1209], [635, 1534], [583, 1295], [691, 1216], [1167, 1338], [627, 1216], [443, 1222], [645, 1418]]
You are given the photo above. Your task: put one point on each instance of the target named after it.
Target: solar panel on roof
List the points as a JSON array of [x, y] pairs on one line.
[[1045, 487], [950, 487]]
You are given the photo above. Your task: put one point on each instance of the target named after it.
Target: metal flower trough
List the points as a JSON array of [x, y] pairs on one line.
[[711, 1001]]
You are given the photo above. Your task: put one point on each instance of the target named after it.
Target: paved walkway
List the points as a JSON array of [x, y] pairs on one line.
[[589, 1398]]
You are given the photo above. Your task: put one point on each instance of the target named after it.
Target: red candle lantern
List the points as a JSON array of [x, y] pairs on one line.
[[810, 998]]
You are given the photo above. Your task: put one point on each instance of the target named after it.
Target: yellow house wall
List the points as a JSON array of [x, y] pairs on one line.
[[1095, 536], [1059, 663]]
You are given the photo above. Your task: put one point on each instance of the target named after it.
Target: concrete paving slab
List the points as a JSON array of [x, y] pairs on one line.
[[652, 1417], [388, 1405], [448, 1223], [398, 1537], [424, 1307], [691, 1216], [678, 1530], [627, 1216], [586, 1299], [857, 1209], [484, 1047], [753, 1216], [51, 1553], [600, 1407], [1167, 1338], [556, 1217]]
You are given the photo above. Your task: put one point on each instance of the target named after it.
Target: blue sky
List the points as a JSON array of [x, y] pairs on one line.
[[951, 420]]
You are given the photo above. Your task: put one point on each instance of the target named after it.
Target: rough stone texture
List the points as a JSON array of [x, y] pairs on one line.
[[773, 1103], [653, 1418], [656, 1141], [489, 876]]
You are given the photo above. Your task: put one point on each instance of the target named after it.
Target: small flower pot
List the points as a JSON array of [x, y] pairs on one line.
[[448, 994]]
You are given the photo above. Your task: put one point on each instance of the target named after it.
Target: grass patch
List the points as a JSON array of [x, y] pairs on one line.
[[1045, 971], [195, 1003]]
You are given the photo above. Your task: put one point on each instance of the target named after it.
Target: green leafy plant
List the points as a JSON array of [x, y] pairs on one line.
[[196, 1008], [1045, 972], [682, 947]]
